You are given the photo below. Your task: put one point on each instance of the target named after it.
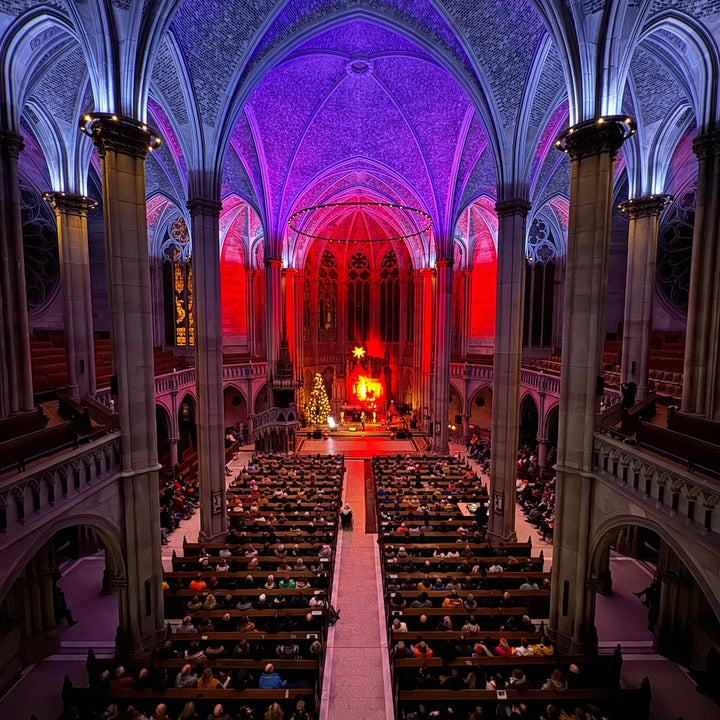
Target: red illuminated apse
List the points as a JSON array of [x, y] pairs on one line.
[[366, 391]]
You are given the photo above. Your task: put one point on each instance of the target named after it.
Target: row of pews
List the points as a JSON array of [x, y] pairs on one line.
[[466, 616], [258, 597]]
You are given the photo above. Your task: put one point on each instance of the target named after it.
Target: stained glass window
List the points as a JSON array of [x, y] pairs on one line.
[[358, 298], [327, 298], [176, 251], [389, 298]]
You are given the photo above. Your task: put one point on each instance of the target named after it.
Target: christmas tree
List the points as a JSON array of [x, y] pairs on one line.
[[318, 405]]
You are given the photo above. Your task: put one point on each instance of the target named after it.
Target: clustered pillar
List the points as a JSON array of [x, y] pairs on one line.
[[122, 145], [592, 147], [71, 213], [443, 326], [643, 214], [506, 365], [701, 382], [209, 419], [16, 390]]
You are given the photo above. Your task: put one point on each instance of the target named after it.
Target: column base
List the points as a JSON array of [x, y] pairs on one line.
[[498, 537], [142, 646]]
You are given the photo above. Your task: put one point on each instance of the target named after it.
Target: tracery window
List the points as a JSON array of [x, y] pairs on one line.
[[177, 280], [327, 298], [358, 297], [540, 255], [389, 298]]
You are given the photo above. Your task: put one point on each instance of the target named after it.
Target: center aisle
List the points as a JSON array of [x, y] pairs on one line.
[[357, 672]]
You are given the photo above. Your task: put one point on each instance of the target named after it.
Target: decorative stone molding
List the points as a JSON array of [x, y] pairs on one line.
[[11, 144], [705, 146], [647, 206], [204, 206], [604, 135], [111, 133], [70, 204], [514, 206]]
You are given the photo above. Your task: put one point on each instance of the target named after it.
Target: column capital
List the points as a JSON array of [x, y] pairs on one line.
[[444, 262], [707, 145], [11, 144], [514, 206], [203, 206], [119, 134], [70, 204], [289, 271], [646, 206], [427, 271], [603, 135], [273, 262]]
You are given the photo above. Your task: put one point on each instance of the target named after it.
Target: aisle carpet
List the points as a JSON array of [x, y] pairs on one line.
[[371, 525]]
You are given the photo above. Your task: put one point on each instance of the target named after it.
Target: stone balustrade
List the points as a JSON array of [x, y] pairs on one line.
[[659, 485], [56, 484], [276, 417]]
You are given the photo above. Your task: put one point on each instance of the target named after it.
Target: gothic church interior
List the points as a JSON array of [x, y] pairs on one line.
[[463, 222]]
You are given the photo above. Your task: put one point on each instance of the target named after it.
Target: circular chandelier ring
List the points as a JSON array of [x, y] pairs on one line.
[[391, 206]]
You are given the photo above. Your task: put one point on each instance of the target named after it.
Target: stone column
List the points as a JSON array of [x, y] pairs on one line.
[[251, 310], [592, 147], [443, 328], [16, 390], [71, 213], [122, 145], [506, 365], [701, 381], [273, 313], [424, 333], [643, 214], [542, 452], [209, 418]]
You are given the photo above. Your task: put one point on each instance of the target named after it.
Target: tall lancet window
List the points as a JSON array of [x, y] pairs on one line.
[[178, 289], [358, 297], [307, 322], [540, 255], [410, 289], [327, 298], [389, 298]]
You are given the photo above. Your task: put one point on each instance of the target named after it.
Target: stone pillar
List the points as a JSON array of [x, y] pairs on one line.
[[506, 365], [701, 381], [424, 329], [443, 328], [592, 147], [542, 452], [16, 390], [71, 213], [273, 313], [251, 310], [466, 313], [209, 418], [466, 427], [643, 214], [173, 447], [122, 145]]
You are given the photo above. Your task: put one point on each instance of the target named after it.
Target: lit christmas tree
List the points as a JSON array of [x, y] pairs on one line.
[[318, 405]]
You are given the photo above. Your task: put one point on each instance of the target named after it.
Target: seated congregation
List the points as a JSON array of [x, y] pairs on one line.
[[466, 617], [247, 618]]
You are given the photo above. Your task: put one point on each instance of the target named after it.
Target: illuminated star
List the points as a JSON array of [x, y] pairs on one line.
[[359, 352]]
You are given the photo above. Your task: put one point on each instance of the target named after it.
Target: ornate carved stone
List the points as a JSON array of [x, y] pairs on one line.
[[70, 204], [11, 144], [204, 206], [596, 137], [705, 146], [514, 206], [646, 206], [111, 133]]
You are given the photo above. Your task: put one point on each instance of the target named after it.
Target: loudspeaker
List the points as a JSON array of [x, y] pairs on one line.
[[114, 385], [600, 386]]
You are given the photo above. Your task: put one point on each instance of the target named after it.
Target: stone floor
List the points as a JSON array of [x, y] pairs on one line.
[[357, 681]]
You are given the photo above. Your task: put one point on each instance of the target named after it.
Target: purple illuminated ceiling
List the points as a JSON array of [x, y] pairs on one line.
[[359, 110]]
